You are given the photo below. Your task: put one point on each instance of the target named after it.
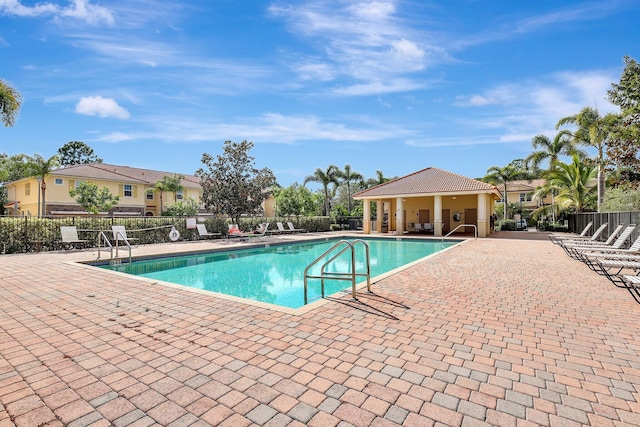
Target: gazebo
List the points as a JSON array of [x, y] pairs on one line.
[[432, 196]]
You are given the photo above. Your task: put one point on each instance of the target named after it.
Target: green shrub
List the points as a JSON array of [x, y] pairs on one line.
[[506, 225]]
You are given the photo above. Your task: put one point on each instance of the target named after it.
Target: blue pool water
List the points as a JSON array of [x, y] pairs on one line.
[[275, 274]]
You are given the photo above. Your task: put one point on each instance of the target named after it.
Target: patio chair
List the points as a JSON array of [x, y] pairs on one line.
[[593, 238], [557, 238], [260, 233], [70, 238], [589, 255], [295, 230], [632, 283], [120, 235], [281, 229], [588, 242], [417, 227], [577, 251], [202, 232], [612, 269], [428, 227]]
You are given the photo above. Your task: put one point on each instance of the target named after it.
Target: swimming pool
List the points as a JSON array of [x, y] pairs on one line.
[[275, 274]]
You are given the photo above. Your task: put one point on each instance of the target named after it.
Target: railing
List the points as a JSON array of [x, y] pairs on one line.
[[462, 225], [325, 275]]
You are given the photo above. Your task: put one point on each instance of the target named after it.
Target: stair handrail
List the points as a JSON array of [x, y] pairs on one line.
[[120, 236], [103, 237]]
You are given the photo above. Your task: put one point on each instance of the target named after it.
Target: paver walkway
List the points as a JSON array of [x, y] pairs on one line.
[[492, 332]]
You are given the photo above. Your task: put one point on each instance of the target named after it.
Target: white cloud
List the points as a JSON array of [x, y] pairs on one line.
[[101, 107], [79, 9]]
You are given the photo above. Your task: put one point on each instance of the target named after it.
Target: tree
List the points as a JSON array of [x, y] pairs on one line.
[[574, 183], [295, 200], [12, 168], [347, 176], [77, 153], [173, 184], [551, 150], [93, 199], [10, 102], [503, 175], [592, 130], [324, 177], [231, 184], [39, 168], [623, 147], [379, 179], [188, 207]]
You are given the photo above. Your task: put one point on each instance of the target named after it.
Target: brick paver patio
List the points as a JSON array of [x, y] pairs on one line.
[[493, 332]]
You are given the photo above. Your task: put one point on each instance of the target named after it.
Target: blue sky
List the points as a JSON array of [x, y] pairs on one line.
[[383, 85]]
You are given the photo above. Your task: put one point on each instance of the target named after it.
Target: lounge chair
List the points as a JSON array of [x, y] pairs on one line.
[[295, 230], [70, 238], [632, 283], [593, 243], [577, 251], [202, 232], [612, 269], [120, 235], [590, 255], [260, 233], [428, 227], [281, 229], [557, 238], [417, 227], [593, 238]]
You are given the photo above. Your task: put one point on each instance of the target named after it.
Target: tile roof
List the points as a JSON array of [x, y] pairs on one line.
[[428, 181], [107, 172]]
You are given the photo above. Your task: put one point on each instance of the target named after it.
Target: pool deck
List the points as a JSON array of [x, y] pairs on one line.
[[502, 331]]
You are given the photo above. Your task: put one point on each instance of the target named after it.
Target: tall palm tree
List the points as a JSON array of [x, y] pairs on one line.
[[347, 175], [502, 175], [592, 130], [40, 168], [173, 184], [10, 101], [551, 150], [324, 177]]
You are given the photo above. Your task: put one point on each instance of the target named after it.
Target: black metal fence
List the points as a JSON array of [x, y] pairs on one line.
[[32, 234], [578, 221]]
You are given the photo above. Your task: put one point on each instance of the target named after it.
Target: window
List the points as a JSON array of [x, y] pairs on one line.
[[27, 189], [78, 183], [523, 197], [128, 190], [179, 195], [58, 181], [149, 195]]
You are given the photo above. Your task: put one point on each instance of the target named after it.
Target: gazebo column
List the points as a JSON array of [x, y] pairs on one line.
[[483, 217], [379, 215], [399, 216], [437, 216], [366, 216]]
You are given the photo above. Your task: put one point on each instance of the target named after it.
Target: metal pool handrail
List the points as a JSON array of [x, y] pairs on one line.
[[336, 275], [462, 225]]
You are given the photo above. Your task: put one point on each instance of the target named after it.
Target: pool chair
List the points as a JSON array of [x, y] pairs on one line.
[[295, 230], [574, 249], [120, 236], [261, 233], [202, 232], [280, 230], [417, 227], [557, 238], [588, 254], [632, 283], [613, 269], [70, 237], [585, 240], [428, 227]]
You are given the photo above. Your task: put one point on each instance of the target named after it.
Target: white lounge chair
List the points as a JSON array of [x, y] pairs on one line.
[[120, 236], [295, 230], [557, 238], [632, 283], [281, 229], [577, 251], [70, 238], [202, 232], [582, 239]]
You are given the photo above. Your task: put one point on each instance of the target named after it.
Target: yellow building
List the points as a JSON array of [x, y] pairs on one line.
[[520, 193], [441, 200], [133, 185]]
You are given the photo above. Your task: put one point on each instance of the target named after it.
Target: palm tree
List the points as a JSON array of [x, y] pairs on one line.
[[592, 130], [379, 179], [502, 175], [324, 177], [347, 175], [573, 182], [173, 184], [551, 150], [10, 101], [40, 168]]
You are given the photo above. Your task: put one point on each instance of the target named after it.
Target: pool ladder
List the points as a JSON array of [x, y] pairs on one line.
[[103, 238], [345, 245]]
